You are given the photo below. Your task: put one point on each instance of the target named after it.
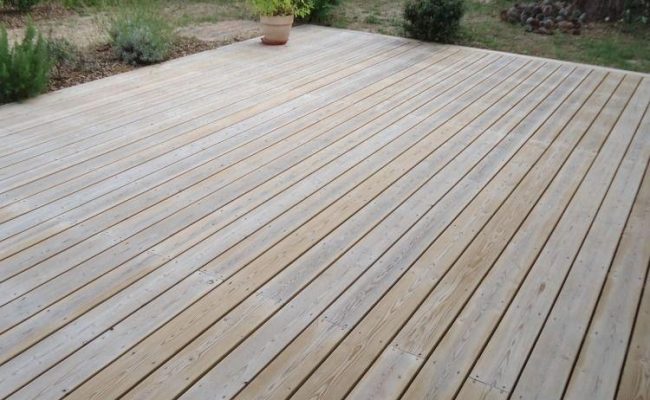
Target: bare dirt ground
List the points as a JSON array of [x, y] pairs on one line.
[[222, 32], [207, 22], [80, 30], [88, 31], [224, 10], [15, 19]]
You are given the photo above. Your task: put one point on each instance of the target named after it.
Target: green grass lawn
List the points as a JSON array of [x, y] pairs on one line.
[[611, 45]]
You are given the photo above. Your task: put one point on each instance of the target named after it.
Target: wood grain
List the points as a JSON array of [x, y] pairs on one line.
[[350, 215]]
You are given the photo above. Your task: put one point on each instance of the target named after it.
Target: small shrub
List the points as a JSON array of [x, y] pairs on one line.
[[25, 68], [321, 11], [433, 20], [372, 19], [636, 11], [81, 4], [141, 37], [298, 8], [63, 54], [21, 5]]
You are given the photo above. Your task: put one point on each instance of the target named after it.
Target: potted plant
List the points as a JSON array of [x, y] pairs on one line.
[[276, 17]]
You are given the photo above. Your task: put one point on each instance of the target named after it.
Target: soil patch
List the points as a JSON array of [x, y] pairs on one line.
[[44, 12], [81, 31], [222, 32], [99, 61], [189, 13]]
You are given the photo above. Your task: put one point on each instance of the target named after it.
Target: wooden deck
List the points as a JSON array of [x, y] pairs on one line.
[[352, 215]]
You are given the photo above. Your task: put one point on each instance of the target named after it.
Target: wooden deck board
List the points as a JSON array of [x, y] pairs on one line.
[[363, 216]]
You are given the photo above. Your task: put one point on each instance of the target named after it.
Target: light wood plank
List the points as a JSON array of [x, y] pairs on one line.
[[339, 372], [635, 377], [237, 366], [298, 242], [23, 138], [426, 326], [276, 380], [341, 114], [203, 124], [361, 216], [36, 134], [230, 157], [506, 353], [554, 182], [238, 231], [208, 98], [210, 200], [71, 98], [597, 370], [549, 366], [294, 248]]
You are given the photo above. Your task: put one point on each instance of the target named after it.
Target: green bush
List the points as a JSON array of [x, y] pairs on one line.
[[63, 54], [433, 20], [80, 4], [298, 8], [322, 10], [21, 5], [636, 11], [141, 37], [25, 67]]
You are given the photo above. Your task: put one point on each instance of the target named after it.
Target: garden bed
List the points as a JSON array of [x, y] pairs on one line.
[[80, 41], [99, 61]]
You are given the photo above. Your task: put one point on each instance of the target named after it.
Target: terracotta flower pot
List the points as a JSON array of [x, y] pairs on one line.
[[276, 29]]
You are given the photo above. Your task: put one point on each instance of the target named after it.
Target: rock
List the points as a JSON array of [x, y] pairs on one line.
[[544, 16], [565, 26], [547, 11], [534, 22], [512, 15], [548, 24]]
